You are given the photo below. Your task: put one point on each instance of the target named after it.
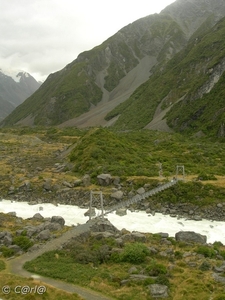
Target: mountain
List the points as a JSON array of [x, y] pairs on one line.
[[15, 87], [150, 74]]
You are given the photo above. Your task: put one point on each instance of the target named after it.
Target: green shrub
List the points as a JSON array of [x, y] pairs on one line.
[[134, 253], [178, 255], [162, 279], [204, 176], [206, 251], [23, 242], [2, 265], [220, 297], [7, 252], [155, 269], [205, 266]]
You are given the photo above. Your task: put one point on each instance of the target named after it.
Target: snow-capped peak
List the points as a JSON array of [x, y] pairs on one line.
[[14, 74]]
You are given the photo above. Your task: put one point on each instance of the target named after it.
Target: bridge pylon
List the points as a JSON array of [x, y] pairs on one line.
[[93, 196], [180, 170]]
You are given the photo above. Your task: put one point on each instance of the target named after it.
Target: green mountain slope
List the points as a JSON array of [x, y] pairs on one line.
[[108, 74], [138, 153], [195, 74]]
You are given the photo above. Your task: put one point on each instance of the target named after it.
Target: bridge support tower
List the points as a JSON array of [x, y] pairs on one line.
[[180, 170], [94, 195]]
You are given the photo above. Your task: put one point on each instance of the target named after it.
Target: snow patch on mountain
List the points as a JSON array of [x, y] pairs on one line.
[[14, 74]]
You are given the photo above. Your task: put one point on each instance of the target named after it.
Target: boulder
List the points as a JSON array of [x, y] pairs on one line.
[[102, 235], [121, 212], [158, 290], [37, 216], [15, 248], [77, 182], [58, 219], [104, 225], [190, 237], [141, 191], [104, 179], [7, 240], [118, 195], [116, 181], [44, 235], [3, 234], [12, 213], [86, 180], [138, 237], [31, 231], [90, 212], [53, 226], [67, 184], [47, 184], [139, 277]]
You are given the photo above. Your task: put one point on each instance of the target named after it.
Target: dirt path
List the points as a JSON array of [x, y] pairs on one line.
[[16, 265]]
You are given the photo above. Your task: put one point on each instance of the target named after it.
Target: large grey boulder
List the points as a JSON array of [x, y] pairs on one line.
[[37, 216], [104, 179], [53, 226], [7, 240], [158, 290], [118, 195], [47, 184], [103, 225], [31, 230], [191, 237], [44, 235], [58, 219], [2, 234]]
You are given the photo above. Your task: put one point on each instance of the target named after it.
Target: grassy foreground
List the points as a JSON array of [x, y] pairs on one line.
[[186, 269], [16, 285]]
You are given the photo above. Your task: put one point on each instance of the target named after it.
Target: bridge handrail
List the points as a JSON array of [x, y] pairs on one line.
[[143, 196]]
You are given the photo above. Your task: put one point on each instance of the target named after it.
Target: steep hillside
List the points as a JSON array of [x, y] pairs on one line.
[[15, 87], [189, 88], [100, 79]]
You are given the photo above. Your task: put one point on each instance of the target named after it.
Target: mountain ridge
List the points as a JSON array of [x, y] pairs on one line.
[[15, 87], [92, 90]]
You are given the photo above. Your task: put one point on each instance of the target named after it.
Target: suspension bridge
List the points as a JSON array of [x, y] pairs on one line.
[[135, 199]]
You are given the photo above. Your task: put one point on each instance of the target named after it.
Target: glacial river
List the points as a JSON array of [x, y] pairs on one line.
[[133, 221]]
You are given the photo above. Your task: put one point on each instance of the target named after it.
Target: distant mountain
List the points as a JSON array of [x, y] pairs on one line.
[[15, 87], [150, 74]]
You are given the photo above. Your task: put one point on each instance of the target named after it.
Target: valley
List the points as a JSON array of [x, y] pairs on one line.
[[138, 119], [62, 165]]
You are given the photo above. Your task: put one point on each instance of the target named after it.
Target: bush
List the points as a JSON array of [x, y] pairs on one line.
[[204, 176], [7, 252], [162, 279], [205, 266], [134, 253], [206, 251], [23, 242], [155, 269], [2, 265]]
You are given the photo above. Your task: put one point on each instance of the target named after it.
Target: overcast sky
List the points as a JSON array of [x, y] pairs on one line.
[[43, 36]]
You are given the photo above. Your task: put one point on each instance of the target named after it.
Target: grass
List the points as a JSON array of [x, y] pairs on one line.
[[15, 282], [184, 282]]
